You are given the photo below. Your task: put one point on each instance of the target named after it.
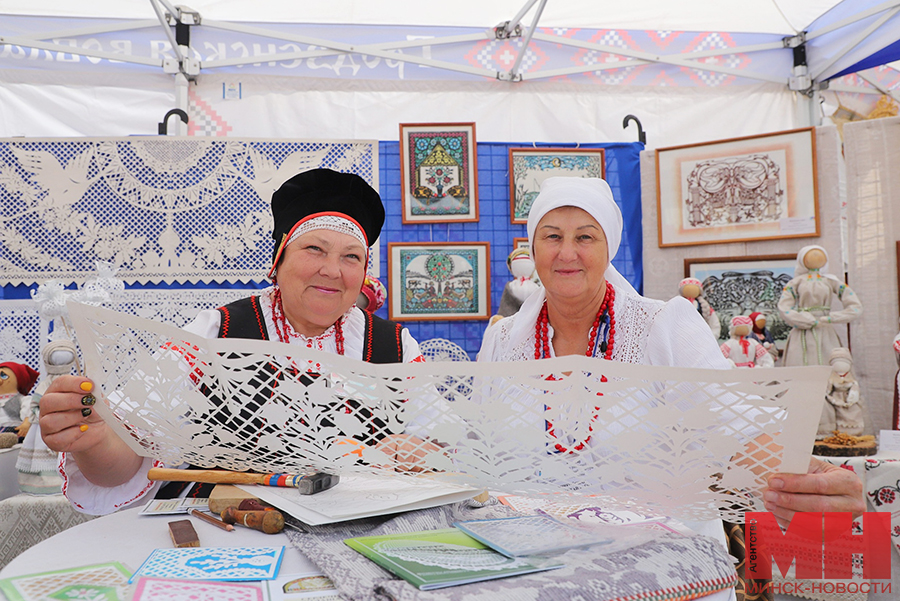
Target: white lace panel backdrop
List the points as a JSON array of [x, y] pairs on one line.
[[162, 209], [694, 444]]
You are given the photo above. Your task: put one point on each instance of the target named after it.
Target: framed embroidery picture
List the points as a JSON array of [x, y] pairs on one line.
[[521, 243], [529, 167], [439, 280], [738, 190], [439, 172], [743, 285]]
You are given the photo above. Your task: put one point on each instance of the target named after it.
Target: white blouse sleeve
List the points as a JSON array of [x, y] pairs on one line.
[[679, 337]]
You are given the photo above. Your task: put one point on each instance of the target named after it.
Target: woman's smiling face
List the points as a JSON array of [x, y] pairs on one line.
[[570, 253], [320, 276]]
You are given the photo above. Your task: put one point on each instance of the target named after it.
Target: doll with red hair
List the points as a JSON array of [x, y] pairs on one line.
[[16, 381]]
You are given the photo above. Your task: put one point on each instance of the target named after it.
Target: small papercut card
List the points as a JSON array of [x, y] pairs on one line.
[[213, 563], [103, 582], [166, 589], [306, 585]]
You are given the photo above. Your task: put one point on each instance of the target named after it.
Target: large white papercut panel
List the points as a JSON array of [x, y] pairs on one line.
[[160, 208], [674, 441]]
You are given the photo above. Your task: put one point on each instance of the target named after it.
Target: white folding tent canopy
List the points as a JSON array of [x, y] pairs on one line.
[[345, 68]]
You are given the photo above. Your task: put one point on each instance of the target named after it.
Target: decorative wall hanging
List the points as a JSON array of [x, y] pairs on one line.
[[742, 285], [162, 209], [529, 167], [439, 280], [737, 190], [521, 243], [668, 441], [438, 172]]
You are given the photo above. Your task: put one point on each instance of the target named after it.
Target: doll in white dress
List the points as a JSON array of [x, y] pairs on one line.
[[742, 350], [805, 305], [522, 285], [692, 289], [843, 410]]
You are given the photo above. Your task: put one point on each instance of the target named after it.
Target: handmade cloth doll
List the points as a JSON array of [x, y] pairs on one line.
[[843, 410], [692, 289], [762, 334], [805, 305], [16, 381], [372, 294], [741, 349], [522, 285], [36, 464]]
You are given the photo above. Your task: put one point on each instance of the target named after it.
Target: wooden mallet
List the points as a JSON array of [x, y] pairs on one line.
[[270, 522]]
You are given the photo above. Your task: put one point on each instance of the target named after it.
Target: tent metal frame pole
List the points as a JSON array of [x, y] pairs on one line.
[[168, 30], [643, 56], [342, 48], [850, 20], [514, 72], [893, 94], [856, 40], [519, 15], [51, 47], [72, 33]]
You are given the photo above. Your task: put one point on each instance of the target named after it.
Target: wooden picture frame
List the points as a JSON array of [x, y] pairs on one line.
[[742, 285], [738, 190], [521, 243], [439, 281], [530, 166], [439, 172]]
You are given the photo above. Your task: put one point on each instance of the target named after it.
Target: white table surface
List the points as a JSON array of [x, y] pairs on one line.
[[129, 538]]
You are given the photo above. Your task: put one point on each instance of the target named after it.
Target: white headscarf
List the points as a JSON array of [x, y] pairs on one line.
[[801, 268], [592, 196]]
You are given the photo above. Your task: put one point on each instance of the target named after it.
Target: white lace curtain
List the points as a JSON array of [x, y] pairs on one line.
[[163, 209]]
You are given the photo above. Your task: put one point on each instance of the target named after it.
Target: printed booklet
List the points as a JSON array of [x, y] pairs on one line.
[[441, 558]]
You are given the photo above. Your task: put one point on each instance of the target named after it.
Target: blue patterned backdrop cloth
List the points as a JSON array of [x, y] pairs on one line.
[[176, 215]]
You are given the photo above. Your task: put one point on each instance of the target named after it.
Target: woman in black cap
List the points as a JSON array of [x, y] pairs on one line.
[[324, 222]]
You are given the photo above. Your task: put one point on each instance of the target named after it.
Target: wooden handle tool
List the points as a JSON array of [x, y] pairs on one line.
[[307, 484], [270, 522]]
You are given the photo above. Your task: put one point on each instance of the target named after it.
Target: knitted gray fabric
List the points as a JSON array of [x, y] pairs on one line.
[[669, 566]]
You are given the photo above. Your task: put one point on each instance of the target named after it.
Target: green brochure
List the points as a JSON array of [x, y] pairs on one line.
[[440, 558]]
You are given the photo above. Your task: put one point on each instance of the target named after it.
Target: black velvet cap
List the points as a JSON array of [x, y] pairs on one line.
[[325, 191]]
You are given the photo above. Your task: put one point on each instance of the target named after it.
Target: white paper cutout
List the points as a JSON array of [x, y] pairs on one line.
[[661, 439], [360, 496]]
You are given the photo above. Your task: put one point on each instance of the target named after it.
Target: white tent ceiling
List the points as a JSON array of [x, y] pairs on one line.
[[768, 16], [357, 53]]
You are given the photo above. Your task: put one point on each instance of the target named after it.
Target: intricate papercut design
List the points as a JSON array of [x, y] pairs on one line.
[[162, 209], [745, 189], [661, 440], [735, 292]]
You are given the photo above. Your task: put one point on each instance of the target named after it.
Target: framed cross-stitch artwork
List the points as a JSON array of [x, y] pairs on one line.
[[738, 190], [439, 172], [741, 285], [439, 280], [529, 167]]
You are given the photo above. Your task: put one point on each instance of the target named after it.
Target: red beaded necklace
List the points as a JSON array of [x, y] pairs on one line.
[[285, 331], [542, 350], [541, 326]]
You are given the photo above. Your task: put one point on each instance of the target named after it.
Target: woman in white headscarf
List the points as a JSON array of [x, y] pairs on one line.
[[575, 228], [587, 307], [805, 305]]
